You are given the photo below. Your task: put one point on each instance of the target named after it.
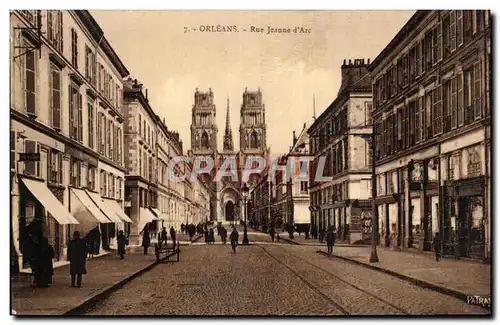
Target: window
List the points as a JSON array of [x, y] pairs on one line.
[[460, 35], [31, 167], [411, 122], [447, 106], [418, 121], [75, 172], [119, 188], [140, 162], [91, 114], [55, 96], [55, 167], [111, 142], [453, 103], [468, 96], [13, 150], [140, 125], [346, 156], [437, 112], [111, 187], [54, 28], [478, 109], [460, 100], [102, 78], [92, 171], [90, 65], [102, 182], [75, 113], [428, 115], [30, 82], [119, 148], [467, 21], [406, 129], [74, 48], [100, 132], [108, 138], [451, 168]]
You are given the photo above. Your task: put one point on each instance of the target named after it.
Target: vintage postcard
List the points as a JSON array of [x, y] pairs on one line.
[[357, 180]]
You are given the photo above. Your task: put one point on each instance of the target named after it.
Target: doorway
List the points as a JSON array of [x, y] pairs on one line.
[[229, 211]]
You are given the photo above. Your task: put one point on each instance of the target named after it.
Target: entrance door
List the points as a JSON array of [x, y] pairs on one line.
[[229, 211], [463, 226]]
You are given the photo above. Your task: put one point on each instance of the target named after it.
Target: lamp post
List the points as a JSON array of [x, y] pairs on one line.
[[244, 192]]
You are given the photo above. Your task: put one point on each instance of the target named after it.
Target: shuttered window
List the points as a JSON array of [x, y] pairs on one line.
[[30, 82], [31, 167], [55, 86]]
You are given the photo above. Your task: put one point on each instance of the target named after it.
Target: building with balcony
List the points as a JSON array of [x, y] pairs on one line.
[[67, 168], [432, 116], [343, 201]]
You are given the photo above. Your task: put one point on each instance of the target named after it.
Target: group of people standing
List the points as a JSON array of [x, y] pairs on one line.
[[162, 238]]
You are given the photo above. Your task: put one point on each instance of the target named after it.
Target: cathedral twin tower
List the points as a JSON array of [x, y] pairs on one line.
[[252, 125], [225, 195]]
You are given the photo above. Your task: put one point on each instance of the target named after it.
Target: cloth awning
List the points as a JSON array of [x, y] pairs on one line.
[[106, 208], [49, 201], [87, 202], [158, 214], [145, 217], [118, 210]]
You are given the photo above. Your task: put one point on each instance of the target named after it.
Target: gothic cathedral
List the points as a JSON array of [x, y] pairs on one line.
[[226, 204]]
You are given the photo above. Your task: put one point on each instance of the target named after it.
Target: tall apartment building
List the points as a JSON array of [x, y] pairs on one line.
[[344, 202], [67, 170], [432, 113]]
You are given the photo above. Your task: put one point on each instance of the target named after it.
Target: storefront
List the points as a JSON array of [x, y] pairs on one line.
[[40, 214], [464, 217]]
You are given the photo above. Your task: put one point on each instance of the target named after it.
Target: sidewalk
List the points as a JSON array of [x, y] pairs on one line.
[[301, 240], [60, 298], [459, 278]]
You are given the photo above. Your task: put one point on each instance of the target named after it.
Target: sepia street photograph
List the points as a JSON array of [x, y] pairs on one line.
[[357, 181]]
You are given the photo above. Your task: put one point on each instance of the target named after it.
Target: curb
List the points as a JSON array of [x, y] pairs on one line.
[[290, 241], [106, 291], [421, 283]]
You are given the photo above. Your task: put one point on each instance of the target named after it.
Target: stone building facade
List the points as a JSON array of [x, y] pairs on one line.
[[65, 87], [432, 114], [343, 202]]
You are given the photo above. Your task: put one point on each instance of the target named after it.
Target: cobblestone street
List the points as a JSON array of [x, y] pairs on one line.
[[271, 279]]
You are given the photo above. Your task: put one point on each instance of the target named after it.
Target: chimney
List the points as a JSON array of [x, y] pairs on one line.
[[294, 138], [344, 62], [304, 125], [146, 94], [350, 62], [368, 61], [363, 61], [352, 73]]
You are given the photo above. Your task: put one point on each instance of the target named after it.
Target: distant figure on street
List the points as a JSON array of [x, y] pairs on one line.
[[271, 232], [172, 236], [211, 234], [146, 240], [437, 246], [43, 254], [223, 235], [122, 242], [322, 235], [77, 258], [314, 231], [330, 240], [163, 236], [234, 239]]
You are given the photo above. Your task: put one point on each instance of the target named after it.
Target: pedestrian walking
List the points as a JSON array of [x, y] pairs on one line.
[[271, 232], [330, 240], [77, 258], [146, 240], [322, 235], [43, 255], [211, 236], [122, 242], [437, 246], [223, 235], [234, 239], [173, 235], [163, 237]]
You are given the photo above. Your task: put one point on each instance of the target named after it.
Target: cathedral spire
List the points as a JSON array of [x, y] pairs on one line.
[[228, 134]]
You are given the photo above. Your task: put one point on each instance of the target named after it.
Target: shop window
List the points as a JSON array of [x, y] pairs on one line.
[[32, 167], [55, 167], [76, 172]]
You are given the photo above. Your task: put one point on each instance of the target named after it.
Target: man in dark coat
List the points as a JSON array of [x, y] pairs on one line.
[[146, 240], [271, 232], [163, 237], [122, 242], [330, 240], [172, 236], [436, 242], [223, 235], [234, 239], [77, 257]]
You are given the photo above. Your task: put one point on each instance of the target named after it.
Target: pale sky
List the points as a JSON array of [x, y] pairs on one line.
[[289, 68]]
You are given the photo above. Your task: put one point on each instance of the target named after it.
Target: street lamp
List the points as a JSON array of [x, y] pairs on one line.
[[244, 192]]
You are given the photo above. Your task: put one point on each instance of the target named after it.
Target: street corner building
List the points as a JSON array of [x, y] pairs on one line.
[[344, 201], [432, 118]]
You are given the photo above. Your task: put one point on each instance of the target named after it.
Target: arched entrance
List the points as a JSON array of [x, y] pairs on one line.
[[229, 211]]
